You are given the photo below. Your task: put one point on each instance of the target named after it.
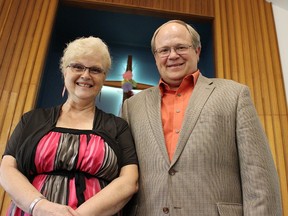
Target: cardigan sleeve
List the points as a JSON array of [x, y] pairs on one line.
[[127, 145], [121, 137], [14, 141], [26, 135]]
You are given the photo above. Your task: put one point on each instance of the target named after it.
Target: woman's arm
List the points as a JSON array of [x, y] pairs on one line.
[[23, 193], [114, 196]]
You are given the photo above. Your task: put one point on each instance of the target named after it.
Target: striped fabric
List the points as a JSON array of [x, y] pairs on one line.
[[72, 166]]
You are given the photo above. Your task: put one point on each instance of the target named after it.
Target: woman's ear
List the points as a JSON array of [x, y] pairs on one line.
[[63, 74], [63, 91]]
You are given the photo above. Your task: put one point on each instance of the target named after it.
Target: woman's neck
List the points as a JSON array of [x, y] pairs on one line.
[[69, 106], [76, 116]]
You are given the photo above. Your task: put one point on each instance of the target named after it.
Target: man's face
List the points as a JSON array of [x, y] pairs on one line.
[[175, 67]]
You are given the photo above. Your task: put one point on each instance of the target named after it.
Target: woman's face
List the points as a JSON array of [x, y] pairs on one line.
[[84, 78]]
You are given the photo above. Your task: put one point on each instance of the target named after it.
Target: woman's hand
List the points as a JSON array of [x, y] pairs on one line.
[[114, 196], [23, 192], [47, 208]]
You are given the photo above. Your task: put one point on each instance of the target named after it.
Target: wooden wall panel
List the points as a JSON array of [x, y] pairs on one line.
[[24, 37], [7, 21], [275, 61], [245, 32], [246, 50], [246, 57], [203, 8]]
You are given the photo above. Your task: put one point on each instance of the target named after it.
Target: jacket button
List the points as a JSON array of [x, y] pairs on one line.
[[172, 172], [166, 210]]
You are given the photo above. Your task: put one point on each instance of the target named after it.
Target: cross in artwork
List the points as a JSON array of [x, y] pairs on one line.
[[128, 84]]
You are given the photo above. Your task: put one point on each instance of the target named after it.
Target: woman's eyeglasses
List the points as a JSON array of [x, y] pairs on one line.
[[80, 68]]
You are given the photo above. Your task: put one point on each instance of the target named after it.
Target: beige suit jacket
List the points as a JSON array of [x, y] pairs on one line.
[[222, 164]]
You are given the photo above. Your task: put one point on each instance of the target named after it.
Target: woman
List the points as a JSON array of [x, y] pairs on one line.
[[73, 159]]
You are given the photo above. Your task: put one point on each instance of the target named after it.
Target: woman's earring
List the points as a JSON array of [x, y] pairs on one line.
[[99, 97], [63, 91]]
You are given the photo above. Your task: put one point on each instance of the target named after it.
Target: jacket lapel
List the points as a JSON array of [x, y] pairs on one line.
[[153, 107], [199, 97]]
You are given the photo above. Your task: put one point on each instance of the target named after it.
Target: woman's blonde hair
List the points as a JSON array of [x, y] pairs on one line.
[[86, 46]]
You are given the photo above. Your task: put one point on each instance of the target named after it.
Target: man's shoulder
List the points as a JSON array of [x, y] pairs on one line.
[[143, 93], [222, 85], [222, 82]]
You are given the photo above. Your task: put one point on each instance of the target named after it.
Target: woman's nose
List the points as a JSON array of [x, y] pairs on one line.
[[86, 73]]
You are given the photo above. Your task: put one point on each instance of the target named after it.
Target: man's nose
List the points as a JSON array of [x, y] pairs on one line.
[[173, 52]]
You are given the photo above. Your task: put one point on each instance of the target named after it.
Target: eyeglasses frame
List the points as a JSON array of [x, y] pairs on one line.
[[84, 68], [156, 51]]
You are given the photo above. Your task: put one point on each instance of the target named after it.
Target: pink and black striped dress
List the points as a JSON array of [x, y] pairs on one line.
[[73, 165]]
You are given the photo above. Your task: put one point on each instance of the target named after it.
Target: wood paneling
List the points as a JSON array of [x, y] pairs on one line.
[[25, 27], [246, 50], [192, 8], [245, 32]]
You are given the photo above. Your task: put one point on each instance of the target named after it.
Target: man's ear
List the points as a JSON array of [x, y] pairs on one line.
[[198, 50]]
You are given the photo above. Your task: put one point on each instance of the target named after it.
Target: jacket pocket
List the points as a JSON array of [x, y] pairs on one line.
[[230, 209]]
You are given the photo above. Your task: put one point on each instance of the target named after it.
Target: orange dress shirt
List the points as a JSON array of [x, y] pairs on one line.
[[173, 107]]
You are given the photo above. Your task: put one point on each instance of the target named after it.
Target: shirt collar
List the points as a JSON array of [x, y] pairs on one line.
[[190, 78]]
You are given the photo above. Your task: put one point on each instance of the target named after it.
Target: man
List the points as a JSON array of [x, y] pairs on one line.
[[200, 144]]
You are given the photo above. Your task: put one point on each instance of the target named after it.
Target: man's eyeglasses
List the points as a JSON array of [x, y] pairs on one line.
[[179, 49], [79, 68]]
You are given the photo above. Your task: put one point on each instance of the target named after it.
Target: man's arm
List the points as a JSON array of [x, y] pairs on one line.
[[260, 183]]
